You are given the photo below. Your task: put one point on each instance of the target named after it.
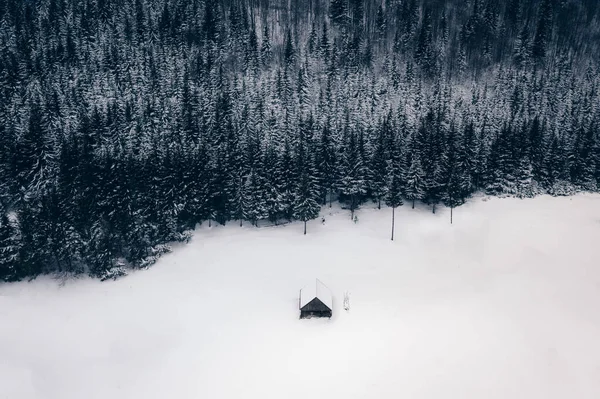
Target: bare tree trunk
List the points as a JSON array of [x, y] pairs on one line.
[[305, 227], [241, 220], [451, 208], [413, 204], [379, 203], [393, 221], [434, 208], [330, 195], [209, 223]]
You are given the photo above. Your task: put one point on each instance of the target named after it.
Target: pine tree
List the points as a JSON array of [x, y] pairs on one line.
[[466, 158], [272, 184], [524, 178], [240, 200], [302, 88], [453, 187], [34, 151], [287, 185], [452, 197], [289, 52], [338, 12], [324, 43], [415, 186], [306, 207], [395, 183], [501, 179], [379, 161], [436, 186], [32, 251], [255, 208], [312, 40], [9, 249], [521, 51], [543, 31], [424, 52], [353, 179], [266, 53], [326, 164], [380, 23]]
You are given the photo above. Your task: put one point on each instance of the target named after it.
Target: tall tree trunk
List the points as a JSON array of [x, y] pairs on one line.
[[413, 206], [330, 195], [379, 203], [393, 222], [433, 208], [241, 220], [451, 208], [305, 227]]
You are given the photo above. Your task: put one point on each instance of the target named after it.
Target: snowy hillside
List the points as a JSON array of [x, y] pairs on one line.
[[502, 304]]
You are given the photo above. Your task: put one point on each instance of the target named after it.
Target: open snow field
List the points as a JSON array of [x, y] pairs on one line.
[[503, 304]]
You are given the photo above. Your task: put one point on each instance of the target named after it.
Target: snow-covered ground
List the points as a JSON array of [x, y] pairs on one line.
[[505, 303]]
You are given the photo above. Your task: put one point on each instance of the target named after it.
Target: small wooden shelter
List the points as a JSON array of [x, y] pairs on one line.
[[315, 301]]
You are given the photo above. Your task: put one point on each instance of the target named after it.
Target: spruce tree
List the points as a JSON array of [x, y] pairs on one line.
[[338, 12], [9, 249], [266, 52], [395, 185], [326, 164], [452, 197], [543, 31], [353, 180], [255, 199], [379, 167], [306, 207], [415, 186], [453, 188]]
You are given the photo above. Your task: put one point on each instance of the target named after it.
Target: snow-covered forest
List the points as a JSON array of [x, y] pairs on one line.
[[124, 123]]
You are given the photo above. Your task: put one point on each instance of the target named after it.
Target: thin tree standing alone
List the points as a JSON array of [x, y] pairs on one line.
[[394, 194]]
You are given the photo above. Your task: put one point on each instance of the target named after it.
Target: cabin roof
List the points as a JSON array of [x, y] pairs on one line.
[[316, 290]]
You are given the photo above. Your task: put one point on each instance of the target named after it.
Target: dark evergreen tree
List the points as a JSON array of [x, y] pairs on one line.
[[338, 11], [353, 180], [326, 165], [9, 250], [306, 207], [454, 185], [424, 52], [543, 31], [379, 163], [255, 201], [395, 184]]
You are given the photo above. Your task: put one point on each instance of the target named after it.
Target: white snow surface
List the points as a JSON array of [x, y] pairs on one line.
[[314, 290], [505, 303]]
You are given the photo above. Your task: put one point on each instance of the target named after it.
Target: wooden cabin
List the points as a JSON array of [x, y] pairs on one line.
[[315, 301]]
